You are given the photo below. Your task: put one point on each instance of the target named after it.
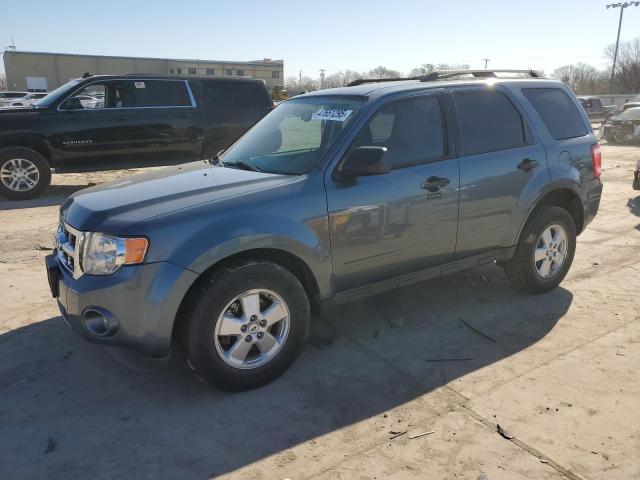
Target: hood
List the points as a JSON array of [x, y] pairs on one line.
[[114, 206]]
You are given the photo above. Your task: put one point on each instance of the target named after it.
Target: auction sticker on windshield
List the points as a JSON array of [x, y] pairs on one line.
[[335, 114]]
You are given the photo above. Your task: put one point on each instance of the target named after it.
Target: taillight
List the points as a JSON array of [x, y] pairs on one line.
[[596, 159]]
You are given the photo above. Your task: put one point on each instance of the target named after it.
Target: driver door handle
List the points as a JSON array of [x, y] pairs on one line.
[[527, 165], [433, 184]]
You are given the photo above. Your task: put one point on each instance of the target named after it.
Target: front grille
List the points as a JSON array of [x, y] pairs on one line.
[[69, 243]]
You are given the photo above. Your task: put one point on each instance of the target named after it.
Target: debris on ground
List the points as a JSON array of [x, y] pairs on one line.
[[417, 435], [474, 329], [503, 433], [51, 445], [396, 434]]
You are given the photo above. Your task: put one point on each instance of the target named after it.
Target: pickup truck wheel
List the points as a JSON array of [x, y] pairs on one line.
[[248, 324], [24, 173], [545, 251]]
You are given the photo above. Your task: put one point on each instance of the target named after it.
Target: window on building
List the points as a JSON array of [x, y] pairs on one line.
[[192, 71], [209, 71], [410, 129], [275, 74], [489, 122], [179, 71], [228, 71], [558, 113], [240, 73], [171, 71]]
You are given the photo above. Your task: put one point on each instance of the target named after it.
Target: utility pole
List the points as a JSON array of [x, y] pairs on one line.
[[300, 78], [322, 70], [621, 6], [486, 62]]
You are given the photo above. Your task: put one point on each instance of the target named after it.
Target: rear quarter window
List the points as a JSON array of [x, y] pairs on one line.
[[235, 94], [489, 122], [557, 111]]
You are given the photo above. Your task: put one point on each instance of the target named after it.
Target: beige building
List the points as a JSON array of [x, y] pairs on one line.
[[40, 71]]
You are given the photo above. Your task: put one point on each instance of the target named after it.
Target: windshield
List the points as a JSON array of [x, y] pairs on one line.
[[292, 138], [630, 114], [57, 93]]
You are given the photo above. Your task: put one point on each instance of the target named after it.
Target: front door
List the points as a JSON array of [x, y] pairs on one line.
[[405, 220]]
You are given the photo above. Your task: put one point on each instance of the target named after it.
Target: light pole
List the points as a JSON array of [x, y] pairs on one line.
[[621, 6], [321, 78], [486, 62]]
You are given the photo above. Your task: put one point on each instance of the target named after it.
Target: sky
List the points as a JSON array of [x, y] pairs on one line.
[[329, 34]]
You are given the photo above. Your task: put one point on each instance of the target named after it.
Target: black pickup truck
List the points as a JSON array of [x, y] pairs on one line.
[[110, 122]]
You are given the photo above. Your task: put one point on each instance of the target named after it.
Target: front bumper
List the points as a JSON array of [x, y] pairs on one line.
[[141, 301]]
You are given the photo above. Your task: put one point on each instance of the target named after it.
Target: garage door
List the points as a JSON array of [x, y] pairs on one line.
[[37, 84]]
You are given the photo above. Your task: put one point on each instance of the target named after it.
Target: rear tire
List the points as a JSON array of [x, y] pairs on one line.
[[24, 173], [247, 325], [545, 251]]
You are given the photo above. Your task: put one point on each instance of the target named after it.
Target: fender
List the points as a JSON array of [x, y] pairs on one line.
[[29, 140], [565, 183]]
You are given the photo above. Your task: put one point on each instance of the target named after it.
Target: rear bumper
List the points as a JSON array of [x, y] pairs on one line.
[[594, 194], [140, 302]]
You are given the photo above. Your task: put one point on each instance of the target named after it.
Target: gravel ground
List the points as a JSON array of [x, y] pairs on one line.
[[453, 357]]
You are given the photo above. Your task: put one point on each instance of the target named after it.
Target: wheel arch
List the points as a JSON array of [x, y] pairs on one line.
[[283, 258], [27, 140], [563, 196]]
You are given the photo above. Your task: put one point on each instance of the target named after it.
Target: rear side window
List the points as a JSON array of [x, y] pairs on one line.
[[160, 93], [410, 129], [235, 94], [489, 122], [557, 111]]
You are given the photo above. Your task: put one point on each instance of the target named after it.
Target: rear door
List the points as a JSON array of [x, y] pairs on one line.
[[163, 122], [499, 162], [231, 107]]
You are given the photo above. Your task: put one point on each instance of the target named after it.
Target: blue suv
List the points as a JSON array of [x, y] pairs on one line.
[[333, 196]]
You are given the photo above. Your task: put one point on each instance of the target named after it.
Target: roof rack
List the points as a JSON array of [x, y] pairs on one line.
[[362, 81], [446, 74]]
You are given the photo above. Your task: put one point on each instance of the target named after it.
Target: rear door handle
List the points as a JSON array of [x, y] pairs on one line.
[[433, 184], [527, 165]]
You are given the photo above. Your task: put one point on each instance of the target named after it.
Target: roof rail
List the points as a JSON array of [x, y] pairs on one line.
[[445, 74], [361, 81]]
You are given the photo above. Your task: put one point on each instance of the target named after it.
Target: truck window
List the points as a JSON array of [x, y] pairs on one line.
[[489, 122], [235, 94], [558, 113], [596, 103], [410, 129], [160, 93]]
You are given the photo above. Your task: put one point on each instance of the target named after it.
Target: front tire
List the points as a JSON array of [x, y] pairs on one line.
[[24, 173], [248, 323], [545, 251]]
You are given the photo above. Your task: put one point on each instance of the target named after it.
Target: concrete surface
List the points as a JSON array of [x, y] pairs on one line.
[[456, 356]]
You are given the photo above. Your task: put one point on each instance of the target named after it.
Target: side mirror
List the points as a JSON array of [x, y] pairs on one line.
[[363, 161]]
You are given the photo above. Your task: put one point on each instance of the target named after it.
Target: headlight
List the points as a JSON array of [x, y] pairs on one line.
[[104, 254]]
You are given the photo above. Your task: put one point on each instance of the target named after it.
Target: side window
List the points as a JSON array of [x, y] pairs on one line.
[[235, 94], [410, 129], [488, 122], [557, 111], [160, 93], [596, 103], [91, 97]]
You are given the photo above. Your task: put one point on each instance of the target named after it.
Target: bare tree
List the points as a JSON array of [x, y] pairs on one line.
[[582, 78], [294, 86], [430, 67], [627, 75], [383, 72], [3, 81], [341, 78]]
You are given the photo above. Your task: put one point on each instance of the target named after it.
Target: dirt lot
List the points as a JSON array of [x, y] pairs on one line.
[[455, 356]]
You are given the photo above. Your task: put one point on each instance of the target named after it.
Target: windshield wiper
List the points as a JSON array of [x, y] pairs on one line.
[[243, 166]]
